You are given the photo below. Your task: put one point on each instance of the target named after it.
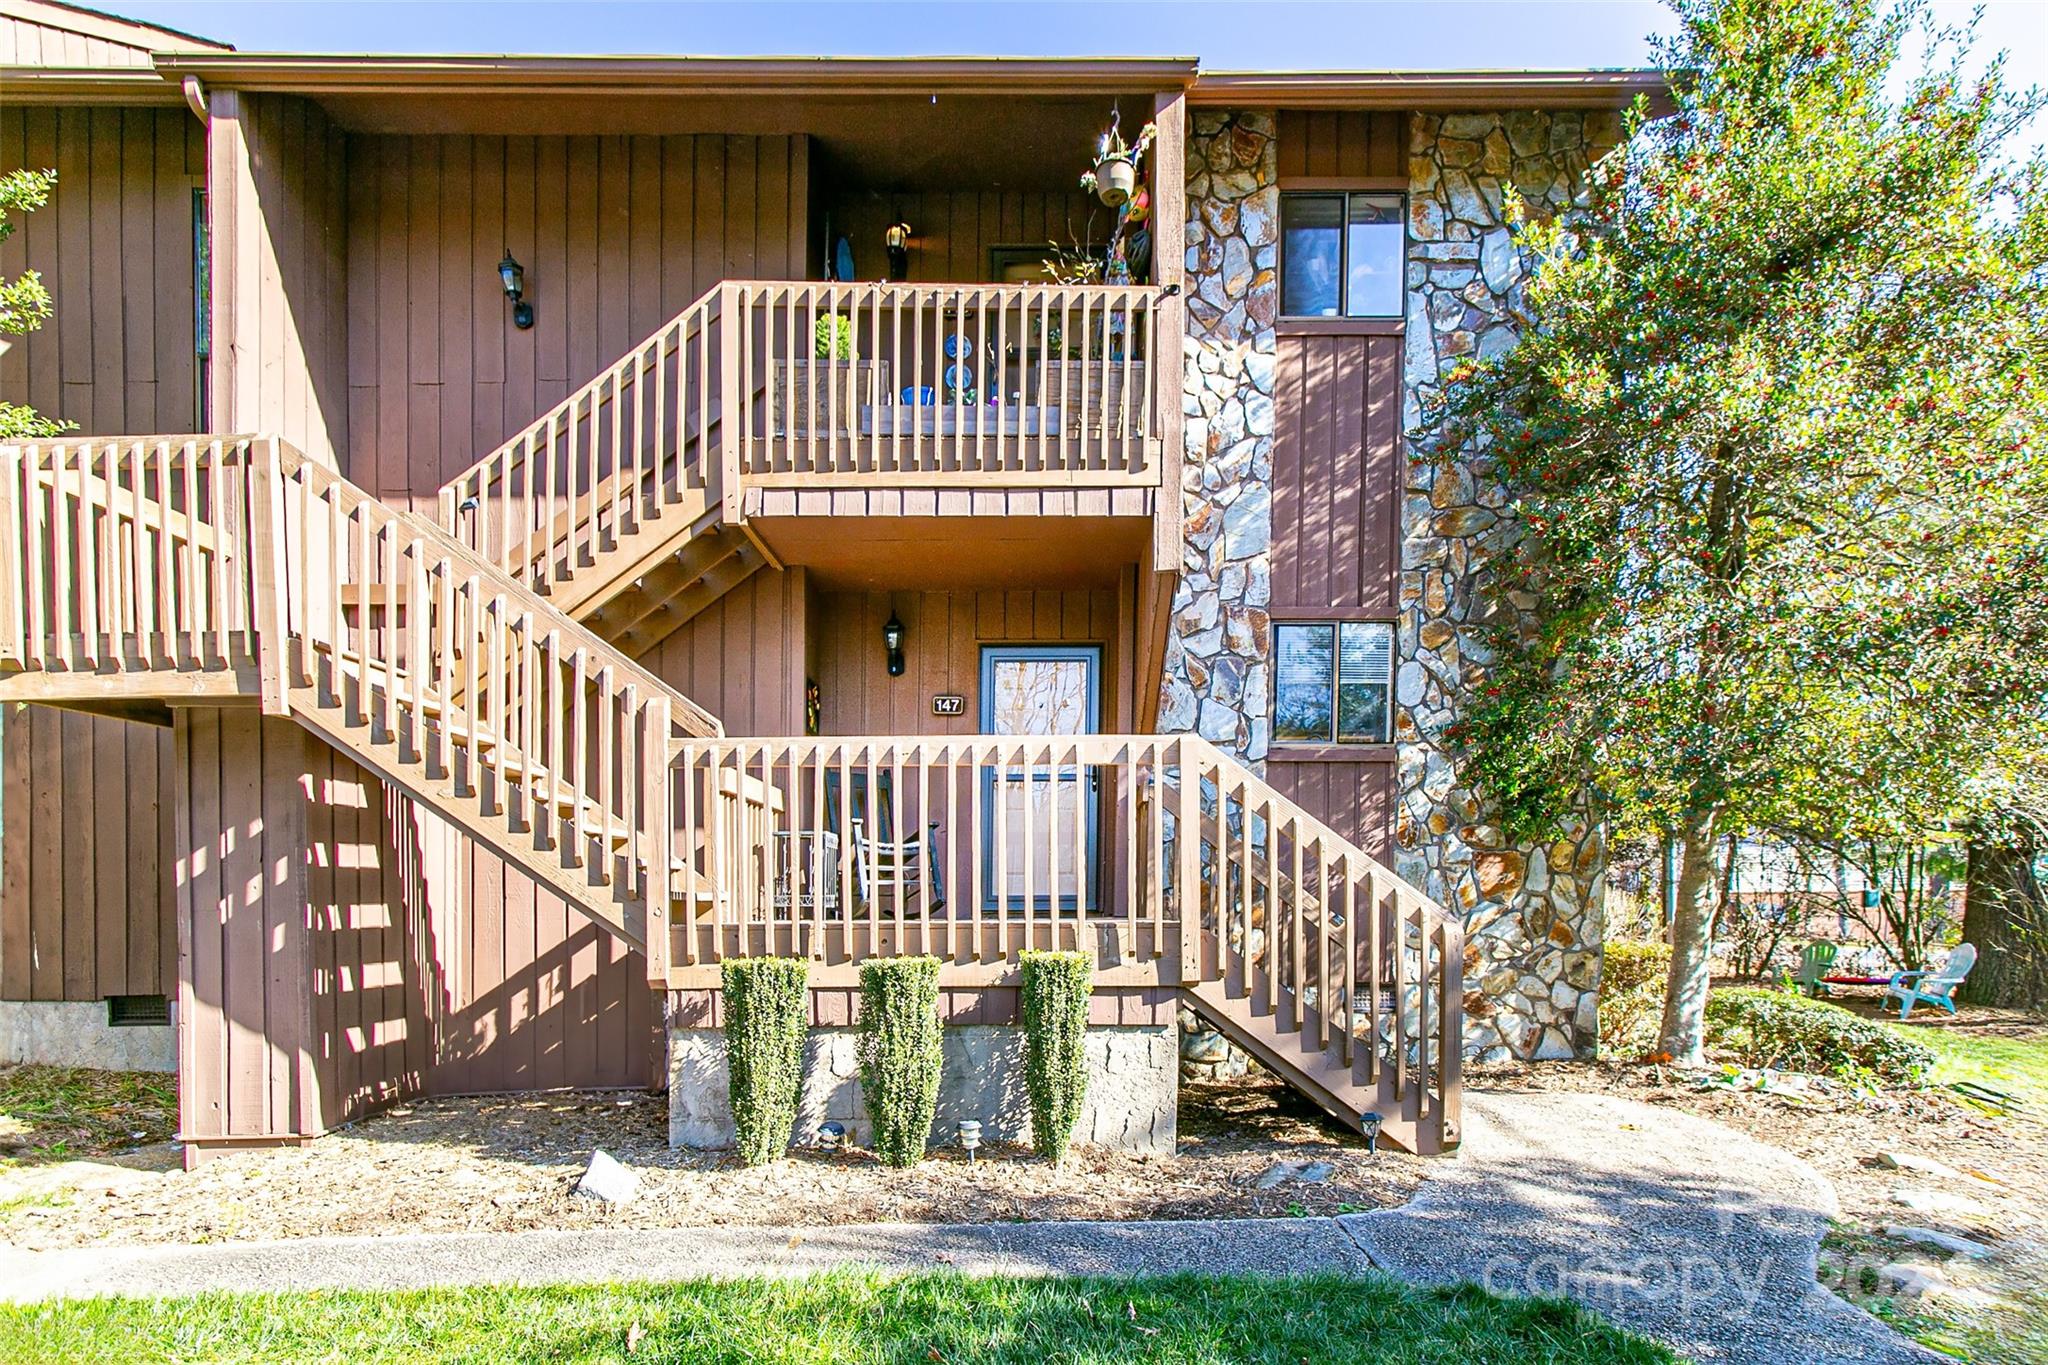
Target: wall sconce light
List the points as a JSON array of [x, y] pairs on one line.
[[514, 276], [896, 237], [1369, 1124], [892, 640]]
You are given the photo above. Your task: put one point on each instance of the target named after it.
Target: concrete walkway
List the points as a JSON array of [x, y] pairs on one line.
[[1676, 1227]]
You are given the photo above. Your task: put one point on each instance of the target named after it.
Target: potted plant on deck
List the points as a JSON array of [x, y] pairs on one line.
[[1115, 176]]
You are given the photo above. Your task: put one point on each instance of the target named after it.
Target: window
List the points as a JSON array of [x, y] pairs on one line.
[[1333, 682], [1342, 254]]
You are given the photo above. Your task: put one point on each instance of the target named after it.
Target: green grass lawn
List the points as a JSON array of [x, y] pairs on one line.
[[844, 1316], [2017, 1066]]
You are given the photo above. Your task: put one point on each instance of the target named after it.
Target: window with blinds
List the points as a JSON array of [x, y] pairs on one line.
[[1333, 682]]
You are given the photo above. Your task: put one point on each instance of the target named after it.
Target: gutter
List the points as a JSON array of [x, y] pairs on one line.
[[1430, 90], [363, 73]]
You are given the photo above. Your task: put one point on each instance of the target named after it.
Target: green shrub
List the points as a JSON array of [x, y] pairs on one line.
[[766, 1011], [833, 337], [900, 1053], [1055, 998], [1774, 1028], [1632, 977]]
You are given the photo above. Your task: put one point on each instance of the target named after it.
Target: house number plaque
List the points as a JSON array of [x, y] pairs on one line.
[[949, 704]]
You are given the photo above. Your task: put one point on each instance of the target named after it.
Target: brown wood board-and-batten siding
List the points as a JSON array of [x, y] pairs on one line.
[[86, 896], [302, 1004], [114, 247], [616, 235], [1337, 474], [943, 635], [952, 230], [1338, 471], [279, 202], [1341, 144]]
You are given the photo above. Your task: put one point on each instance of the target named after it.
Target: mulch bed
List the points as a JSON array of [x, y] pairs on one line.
[[508, 1164]]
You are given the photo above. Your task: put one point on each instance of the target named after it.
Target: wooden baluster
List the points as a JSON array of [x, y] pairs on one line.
[[694, 880], [978, 763], [606, 757], [35, 507]]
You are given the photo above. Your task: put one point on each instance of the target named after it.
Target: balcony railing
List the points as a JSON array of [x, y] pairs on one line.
[[906, 384]]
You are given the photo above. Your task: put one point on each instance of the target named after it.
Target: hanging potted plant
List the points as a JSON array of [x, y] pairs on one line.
[[1115, 177]]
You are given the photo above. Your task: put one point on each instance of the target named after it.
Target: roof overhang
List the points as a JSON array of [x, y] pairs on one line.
[[1428, 90], [86, 85], [365, 74]]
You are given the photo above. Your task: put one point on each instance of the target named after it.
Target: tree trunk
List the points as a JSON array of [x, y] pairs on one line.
[[2005, 913], [1683, 1032]]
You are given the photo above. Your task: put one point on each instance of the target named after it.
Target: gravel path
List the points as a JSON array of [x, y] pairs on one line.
[[1674, 1226]]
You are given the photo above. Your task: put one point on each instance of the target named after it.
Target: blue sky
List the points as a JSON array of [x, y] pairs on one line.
[[1223, 33]]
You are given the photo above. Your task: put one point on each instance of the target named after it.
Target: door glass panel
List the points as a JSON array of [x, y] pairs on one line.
[[1041, 696], [1041, 831]]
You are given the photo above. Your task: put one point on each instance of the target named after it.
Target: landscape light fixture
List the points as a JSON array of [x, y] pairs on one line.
[[1369, 1124], [831, 1136], [514, 276], [970, 1137], [892, 640]]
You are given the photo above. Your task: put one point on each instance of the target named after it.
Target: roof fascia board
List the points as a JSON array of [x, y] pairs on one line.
[[377, 74], [38, 85], [1428, 90]]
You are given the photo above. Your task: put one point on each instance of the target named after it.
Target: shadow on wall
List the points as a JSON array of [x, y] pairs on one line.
[[524, 993]]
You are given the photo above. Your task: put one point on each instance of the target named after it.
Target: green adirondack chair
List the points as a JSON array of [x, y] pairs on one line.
[[1815, 961]]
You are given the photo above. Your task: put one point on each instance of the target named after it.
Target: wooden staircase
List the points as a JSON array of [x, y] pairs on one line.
[[612, 504], [211, 569]]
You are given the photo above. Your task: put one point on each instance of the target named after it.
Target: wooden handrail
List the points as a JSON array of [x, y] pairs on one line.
[[611, 456], [1006, 384], [127, 553]]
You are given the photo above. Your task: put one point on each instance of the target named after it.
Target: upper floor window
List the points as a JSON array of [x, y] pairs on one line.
[[1342, 254], [1333, 682]]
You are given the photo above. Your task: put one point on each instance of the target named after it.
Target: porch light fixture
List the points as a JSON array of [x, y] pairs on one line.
[[892, 640], [896, 238], [970, 1137], [514, 276], [831, 1136], [1369, 1124]]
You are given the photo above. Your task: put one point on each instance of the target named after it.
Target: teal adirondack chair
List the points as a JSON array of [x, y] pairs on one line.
[[1815, 961], [1933, 988]]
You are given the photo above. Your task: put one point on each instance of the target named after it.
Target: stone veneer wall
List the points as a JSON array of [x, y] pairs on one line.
[[1133, 1087], [1533, 913], [1218, 653]]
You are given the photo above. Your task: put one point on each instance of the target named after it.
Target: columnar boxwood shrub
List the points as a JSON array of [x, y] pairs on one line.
[[1780, 1029], [1055, 990], [766, 1011], [899, 1053]]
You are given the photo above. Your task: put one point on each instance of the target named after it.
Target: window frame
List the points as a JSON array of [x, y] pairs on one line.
[[1340, 321], [1331, 745]]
